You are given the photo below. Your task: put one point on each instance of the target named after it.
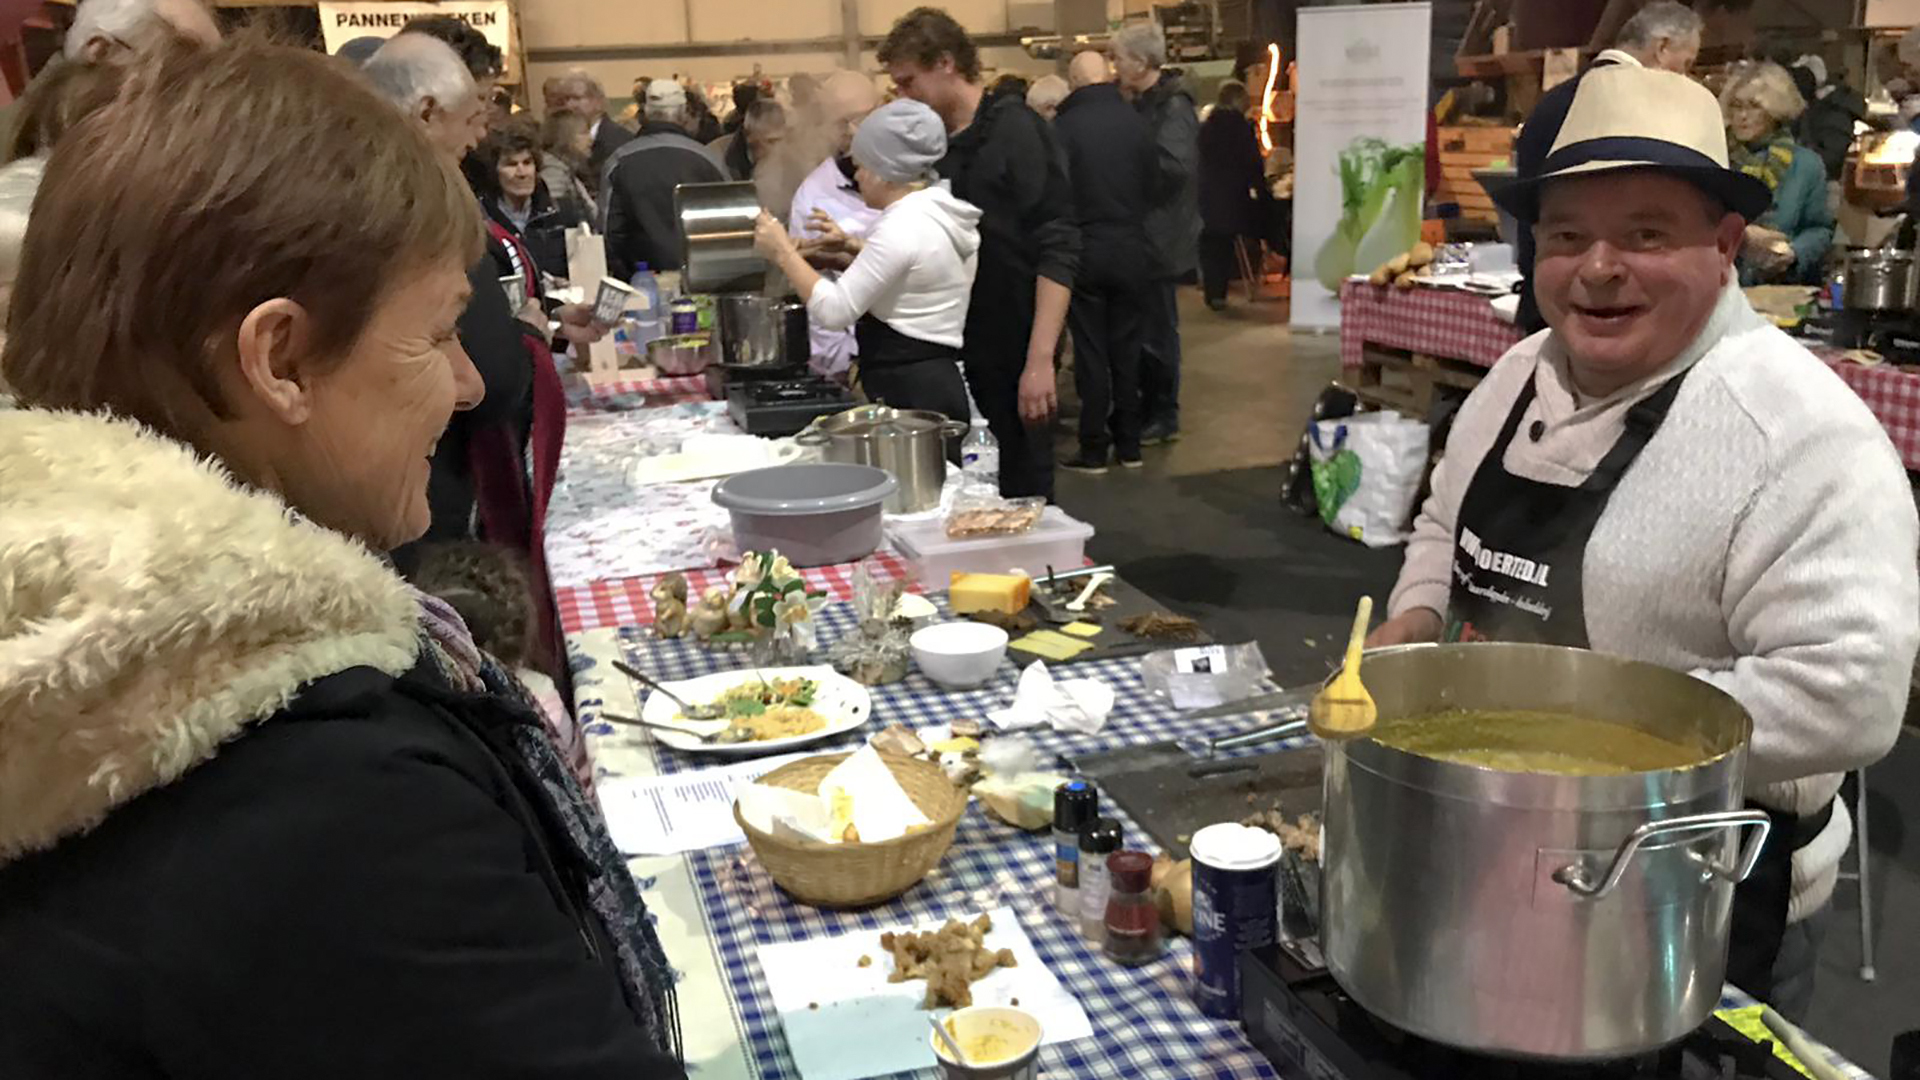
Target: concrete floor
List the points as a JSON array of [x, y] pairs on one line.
[[1202, 528]]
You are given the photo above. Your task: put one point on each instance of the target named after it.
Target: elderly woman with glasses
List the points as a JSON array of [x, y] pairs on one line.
[[264, 809], [1790, 241]]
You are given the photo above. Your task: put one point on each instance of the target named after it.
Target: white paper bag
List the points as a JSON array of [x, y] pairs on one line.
[[1366, 473]]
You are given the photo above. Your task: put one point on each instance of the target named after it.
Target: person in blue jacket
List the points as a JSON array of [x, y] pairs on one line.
[[1789, 243]]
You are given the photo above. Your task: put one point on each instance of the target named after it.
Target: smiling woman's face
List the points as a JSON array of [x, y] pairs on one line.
[[1628, 267], [363, 451]]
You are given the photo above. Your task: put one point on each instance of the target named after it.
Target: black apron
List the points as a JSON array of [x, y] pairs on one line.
[[907, 372], [1519, 546]]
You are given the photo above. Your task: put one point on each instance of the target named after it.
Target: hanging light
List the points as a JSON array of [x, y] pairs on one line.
[[1267, 116]]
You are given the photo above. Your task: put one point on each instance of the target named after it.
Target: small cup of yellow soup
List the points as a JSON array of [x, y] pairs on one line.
[[1000, 1043]]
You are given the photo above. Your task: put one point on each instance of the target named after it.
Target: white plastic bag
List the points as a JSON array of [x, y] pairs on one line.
[[1366, 473]]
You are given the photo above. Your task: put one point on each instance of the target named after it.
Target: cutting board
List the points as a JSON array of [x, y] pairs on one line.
[[1112, 641], [1172, 794]]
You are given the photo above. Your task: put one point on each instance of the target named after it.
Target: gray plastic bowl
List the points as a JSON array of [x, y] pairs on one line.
[[815, 515]]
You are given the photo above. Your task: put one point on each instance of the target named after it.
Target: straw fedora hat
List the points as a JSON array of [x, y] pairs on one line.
[[1627, 117]]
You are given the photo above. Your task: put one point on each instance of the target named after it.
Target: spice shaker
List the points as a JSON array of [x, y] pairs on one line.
[[1133, 922], [1075, 805], [1236, 900], [1097, 841]]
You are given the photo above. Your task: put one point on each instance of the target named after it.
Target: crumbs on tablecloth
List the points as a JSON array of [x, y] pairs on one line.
[[814, 1005], [866, 961]]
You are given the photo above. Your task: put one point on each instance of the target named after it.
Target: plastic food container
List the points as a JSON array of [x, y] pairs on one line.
[[1009, 1038], [815, 514], [1057, 541]]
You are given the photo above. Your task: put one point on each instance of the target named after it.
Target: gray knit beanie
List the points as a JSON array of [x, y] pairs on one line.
[[901, 141]]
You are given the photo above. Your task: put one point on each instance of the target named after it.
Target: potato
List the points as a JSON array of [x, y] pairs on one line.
[[1379, 275], [1421, 255], [1172, 889], [1404, 280], [1399, 263]]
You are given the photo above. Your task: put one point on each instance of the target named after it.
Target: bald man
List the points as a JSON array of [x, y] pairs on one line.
[[1109, 153], [845, 99], [1088, 68]]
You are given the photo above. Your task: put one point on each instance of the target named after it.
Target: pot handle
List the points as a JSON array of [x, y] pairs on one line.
[[951, 428], [812, 436], [1579, 879]]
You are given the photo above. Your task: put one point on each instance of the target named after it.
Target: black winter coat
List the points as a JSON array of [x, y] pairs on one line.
[[546, 232], [252, 831], [1109, 156], [1233, 183]]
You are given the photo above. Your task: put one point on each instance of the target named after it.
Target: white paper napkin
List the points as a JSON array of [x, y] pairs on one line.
[[881, 808], [1077, 705]]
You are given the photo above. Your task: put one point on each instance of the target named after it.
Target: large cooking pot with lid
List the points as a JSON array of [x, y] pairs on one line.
[[762, 331], [910, 444], [716, 237], [1529, 913], [1879, 279]]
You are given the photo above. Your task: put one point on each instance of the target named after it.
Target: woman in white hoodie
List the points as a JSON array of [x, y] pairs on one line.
[[906, 293]]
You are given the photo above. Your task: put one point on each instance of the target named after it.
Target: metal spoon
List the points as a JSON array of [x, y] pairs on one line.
[[630, 721], [691, 712]]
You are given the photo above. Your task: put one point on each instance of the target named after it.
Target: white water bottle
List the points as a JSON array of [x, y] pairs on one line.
[[980, 459]]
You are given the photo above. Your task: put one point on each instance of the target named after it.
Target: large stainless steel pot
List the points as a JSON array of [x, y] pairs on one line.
[[910, 444], [762, 331], [1879, 279], [716, 237], [1533, 914]]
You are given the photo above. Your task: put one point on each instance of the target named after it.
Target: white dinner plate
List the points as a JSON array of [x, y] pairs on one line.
[[844, 703]]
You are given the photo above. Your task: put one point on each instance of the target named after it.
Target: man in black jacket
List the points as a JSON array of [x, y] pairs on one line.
[[1173, 216], [581, 94], [1233, 189], [1108, 153], [636, 204], [1001, 158]]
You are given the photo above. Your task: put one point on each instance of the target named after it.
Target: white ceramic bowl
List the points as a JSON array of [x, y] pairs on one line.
[[959, 655]]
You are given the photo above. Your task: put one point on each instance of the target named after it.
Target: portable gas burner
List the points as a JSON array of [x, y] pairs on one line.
[[1310, 1029], [777, 407]]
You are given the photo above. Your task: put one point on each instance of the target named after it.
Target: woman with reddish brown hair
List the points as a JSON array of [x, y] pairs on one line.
[[264, 809]]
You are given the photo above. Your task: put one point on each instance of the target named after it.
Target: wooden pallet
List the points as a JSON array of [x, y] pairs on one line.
[[1409, 382], [1462, 150]]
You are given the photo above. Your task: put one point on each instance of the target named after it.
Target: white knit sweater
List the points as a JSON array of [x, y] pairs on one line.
[[1765, 541]]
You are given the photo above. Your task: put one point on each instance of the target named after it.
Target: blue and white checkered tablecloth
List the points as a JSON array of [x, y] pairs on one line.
[[1144, 1021]]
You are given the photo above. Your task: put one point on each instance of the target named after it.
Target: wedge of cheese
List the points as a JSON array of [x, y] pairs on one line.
[[1006, 594], [1051, 645]]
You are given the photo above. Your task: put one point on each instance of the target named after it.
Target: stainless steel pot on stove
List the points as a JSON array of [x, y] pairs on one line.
[[762, 331], [1532, 914], [716, 237], [910, 444], [1880, 279]]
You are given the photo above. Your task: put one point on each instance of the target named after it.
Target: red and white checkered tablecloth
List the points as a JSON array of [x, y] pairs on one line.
[[644, 393], [1446, 323], [625, 601], [1893, 394]]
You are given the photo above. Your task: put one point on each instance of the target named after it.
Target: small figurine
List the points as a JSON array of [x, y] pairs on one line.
[[669, 596], [710, 617]]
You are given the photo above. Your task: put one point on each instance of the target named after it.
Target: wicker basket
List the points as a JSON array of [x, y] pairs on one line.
[[856, 875]]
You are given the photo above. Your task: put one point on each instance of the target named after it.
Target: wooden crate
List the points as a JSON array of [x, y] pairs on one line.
[[1408, 382], [1462, 150]]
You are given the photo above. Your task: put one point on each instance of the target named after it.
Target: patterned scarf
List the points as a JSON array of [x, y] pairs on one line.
[[649, 978], [1769, 160]]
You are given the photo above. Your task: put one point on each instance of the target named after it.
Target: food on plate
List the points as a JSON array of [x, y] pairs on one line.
[[760, 710], [949, 959], [1009, 520], [865, 960], [1051, 645], [1007, 594], [1536, 741], [1163, 626], [1081, 629], [1012, 624]]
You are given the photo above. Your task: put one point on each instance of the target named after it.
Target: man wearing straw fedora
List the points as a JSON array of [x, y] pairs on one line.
[[1664, 475]]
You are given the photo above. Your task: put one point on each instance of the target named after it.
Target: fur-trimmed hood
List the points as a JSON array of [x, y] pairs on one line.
[[151, 608]]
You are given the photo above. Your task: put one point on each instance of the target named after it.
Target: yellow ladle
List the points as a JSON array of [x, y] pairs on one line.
[[1343, 709]]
